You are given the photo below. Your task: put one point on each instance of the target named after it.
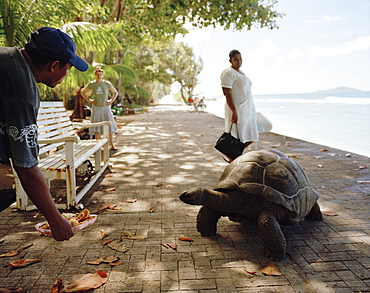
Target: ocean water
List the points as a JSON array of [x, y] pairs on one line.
[[340, 121]]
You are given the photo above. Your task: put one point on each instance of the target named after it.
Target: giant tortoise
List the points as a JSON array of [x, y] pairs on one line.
[[264, 187]]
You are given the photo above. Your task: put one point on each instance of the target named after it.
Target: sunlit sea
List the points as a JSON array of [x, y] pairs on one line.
[[341, 121]]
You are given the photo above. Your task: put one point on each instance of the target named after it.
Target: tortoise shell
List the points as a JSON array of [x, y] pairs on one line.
[[274, 176]]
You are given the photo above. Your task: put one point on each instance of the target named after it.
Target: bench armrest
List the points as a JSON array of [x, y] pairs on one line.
[[73, 138], [82, 125]]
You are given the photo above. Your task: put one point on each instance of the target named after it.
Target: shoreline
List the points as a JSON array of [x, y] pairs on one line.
[[324, 127]]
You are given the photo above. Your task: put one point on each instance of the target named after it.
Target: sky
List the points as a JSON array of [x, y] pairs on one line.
[[320, 44]]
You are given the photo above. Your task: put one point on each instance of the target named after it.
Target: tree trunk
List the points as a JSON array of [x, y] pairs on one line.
[[78, 111]]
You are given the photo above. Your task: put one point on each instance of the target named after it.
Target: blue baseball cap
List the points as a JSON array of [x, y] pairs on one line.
[[56, 44]]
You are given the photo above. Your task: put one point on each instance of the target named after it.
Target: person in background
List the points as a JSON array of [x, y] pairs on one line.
[[239, 106], [46, 58], [101, 109]]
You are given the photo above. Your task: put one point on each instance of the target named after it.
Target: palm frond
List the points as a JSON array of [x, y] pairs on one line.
[[90, 37]]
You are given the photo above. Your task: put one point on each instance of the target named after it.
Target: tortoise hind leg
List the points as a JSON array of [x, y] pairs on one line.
[[272, 236], [315, 213], [207, 221]]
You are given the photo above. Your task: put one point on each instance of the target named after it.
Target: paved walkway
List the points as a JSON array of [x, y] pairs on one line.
[[162, 153]]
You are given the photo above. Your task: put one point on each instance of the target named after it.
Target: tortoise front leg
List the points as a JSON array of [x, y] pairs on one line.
[[207, 221], [272, 236]]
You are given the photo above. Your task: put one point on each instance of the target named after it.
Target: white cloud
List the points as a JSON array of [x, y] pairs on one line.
[[293, 55], [347, 48], [331, 18], [325, 18], [266, 49]]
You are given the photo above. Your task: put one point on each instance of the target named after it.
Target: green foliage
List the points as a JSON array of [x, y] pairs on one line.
[[132, 39]]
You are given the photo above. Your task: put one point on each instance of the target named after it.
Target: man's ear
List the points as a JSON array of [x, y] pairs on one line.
[[53, 65]]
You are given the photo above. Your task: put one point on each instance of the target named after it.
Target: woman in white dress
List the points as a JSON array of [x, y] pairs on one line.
[[239, 106]]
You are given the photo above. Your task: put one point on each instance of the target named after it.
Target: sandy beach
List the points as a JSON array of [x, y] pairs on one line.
[[163, 152]]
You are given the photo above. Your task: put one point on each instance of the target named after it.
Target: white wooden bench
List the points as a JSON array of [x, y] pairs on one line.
[[62, 152]]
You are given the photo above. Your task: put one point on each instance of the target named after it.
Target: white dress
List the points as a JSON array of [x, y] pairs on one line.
[[244, 104]]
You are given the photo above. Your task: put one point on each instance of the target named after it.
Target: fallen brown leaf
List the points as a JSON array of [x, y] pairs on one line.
[[129, 235], [107, 241], [107, 259], [88, 282], [184, 238], [131, 200], [13, 253], [329, 213], [323, 150], [13, 290], [103, 234], [21, 263], [271, 270], [118, 245], [362, 167], [110, 189], [58, 286], [151, 210], [168, 245], [250, 272], [107, 205]]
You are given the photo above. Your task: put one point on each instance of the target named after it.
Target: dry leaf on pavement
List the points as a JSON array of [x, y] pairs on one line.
[[129, 235], [21, 263], [168, 245], [88, 282], [108, 206], [58, 286], [118, 245], [13, 253], [110, 189], [131, 200], [105, 242], [271, 270], [184, 238], [103, 234], [329, 213], [250, 272], [107, 259], [13, 290]]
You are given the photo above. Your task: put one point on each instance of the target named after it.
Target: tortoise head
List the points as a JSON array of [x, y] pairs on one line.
[[193, 196]]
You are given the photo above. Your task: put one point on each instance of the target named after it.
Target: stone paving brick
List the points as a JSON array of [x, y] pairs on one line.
[[164, 152]]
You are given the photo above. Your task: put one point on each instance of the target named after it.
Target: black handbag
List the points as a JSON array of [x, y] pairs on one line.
[[230, 145]]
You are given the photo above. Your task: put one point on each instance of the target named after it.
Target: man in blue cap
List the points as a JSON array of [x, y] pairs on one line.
[[46, 58]]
